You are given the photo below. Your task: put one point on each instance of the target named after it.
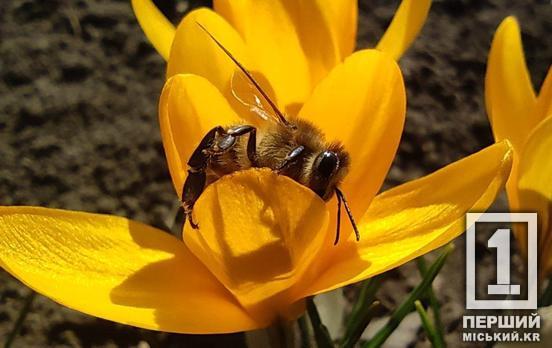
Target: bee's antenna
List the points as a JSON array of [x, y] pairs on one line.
[[281, 116], [338, 219], [341, 197]]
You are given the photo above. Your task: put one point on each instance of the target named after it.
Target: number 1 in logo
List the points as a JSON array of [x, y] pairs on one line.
[[501, 241]]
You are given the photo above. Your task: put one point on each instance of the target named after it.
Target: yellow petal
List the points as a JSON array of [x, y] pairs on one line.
[[116, 269], [361, 103], [535, 188], [326, 31], [341, 19], [509, 96], [258, 232], [544, 100], [417, 217], [157, 28], [189, 107], [194, 52], [404, 28], [271, 35]]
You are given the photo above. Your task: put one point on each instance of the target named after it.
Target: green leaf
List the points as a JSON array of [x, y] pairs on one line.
[[408, 305], [433, 302], [20, 319], [363, 311], [321, 334], [304, 332], [428, 326]]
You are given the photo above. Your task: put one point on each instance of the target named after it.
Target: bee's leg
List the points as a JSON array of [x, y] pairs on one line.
[[200, 156], [193, 187], [291, 157], [252, 147], [195, 182], [228, 140]]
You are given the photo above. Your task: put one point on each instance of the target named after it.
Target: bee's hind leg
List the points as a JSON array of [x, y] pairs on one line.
[[211, 146], [193, 187], [195, 182]]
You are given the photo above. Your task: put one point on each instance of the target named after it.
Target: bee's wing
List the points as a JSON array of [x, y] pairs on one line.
[[246, 93]]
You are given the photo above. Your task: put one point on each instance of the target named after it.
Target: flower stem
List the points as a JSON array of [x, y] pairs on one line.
[[362, 312], [408, 305], [321, 334], [433, 302], [281, 335], [546, 297], [428, 326], [304, 331], [19, 322], [364, 319]]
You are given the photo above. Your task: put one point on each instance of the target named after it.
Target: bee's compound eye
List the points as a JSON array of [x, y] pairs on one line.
[[326, 163]]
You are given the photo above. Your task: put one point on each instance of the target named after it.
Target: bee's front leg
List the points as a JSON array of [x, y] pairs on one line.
[[291, 157]]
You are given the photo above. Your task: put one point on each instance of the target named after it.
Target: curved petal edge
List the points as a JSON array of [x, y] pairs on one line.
[[417, 217], [404, 28], [116, 269], [155, 25]]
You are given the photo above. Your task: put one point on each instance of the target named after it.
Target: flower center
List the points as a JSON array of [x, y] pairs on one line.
[[258, 232]]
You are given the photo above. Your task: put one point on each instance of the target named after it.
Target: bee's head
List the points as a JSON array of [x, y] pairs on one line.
[[329, 167]]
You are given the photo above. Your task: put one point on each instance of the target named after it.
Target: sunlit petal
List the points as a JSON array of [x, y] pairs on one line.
[[193, 51], [535, 186], [362, 104], [341, 19], [326, 31], [271, 35], [417, 217], [189, 107], [544, 100], [258, 232], [116, 269], [155, 25], [509, 95], [405, 26]]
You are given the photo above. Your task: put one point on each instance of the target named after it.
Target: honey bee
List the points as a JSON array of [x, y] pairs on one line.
[[292, 147]]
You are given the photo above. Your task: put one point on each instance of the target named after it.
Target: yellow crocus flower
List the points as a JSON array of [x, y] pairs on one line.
[[293, 44], [518, 114], [265, 242]]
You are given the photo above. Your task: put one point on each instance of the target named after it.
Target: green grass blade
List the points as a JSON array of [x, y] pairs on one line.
[[19, 322], [362, 312], [408, 305], [428, 326], [321, 334], [433, 302]]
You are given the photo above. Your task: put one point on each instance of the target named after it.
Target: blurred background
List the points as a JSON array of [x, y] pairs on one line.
[[79, 86]]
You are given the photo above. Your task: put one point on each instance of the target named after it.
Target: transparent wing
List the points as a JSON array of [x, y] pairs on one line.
[[247, 95]]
